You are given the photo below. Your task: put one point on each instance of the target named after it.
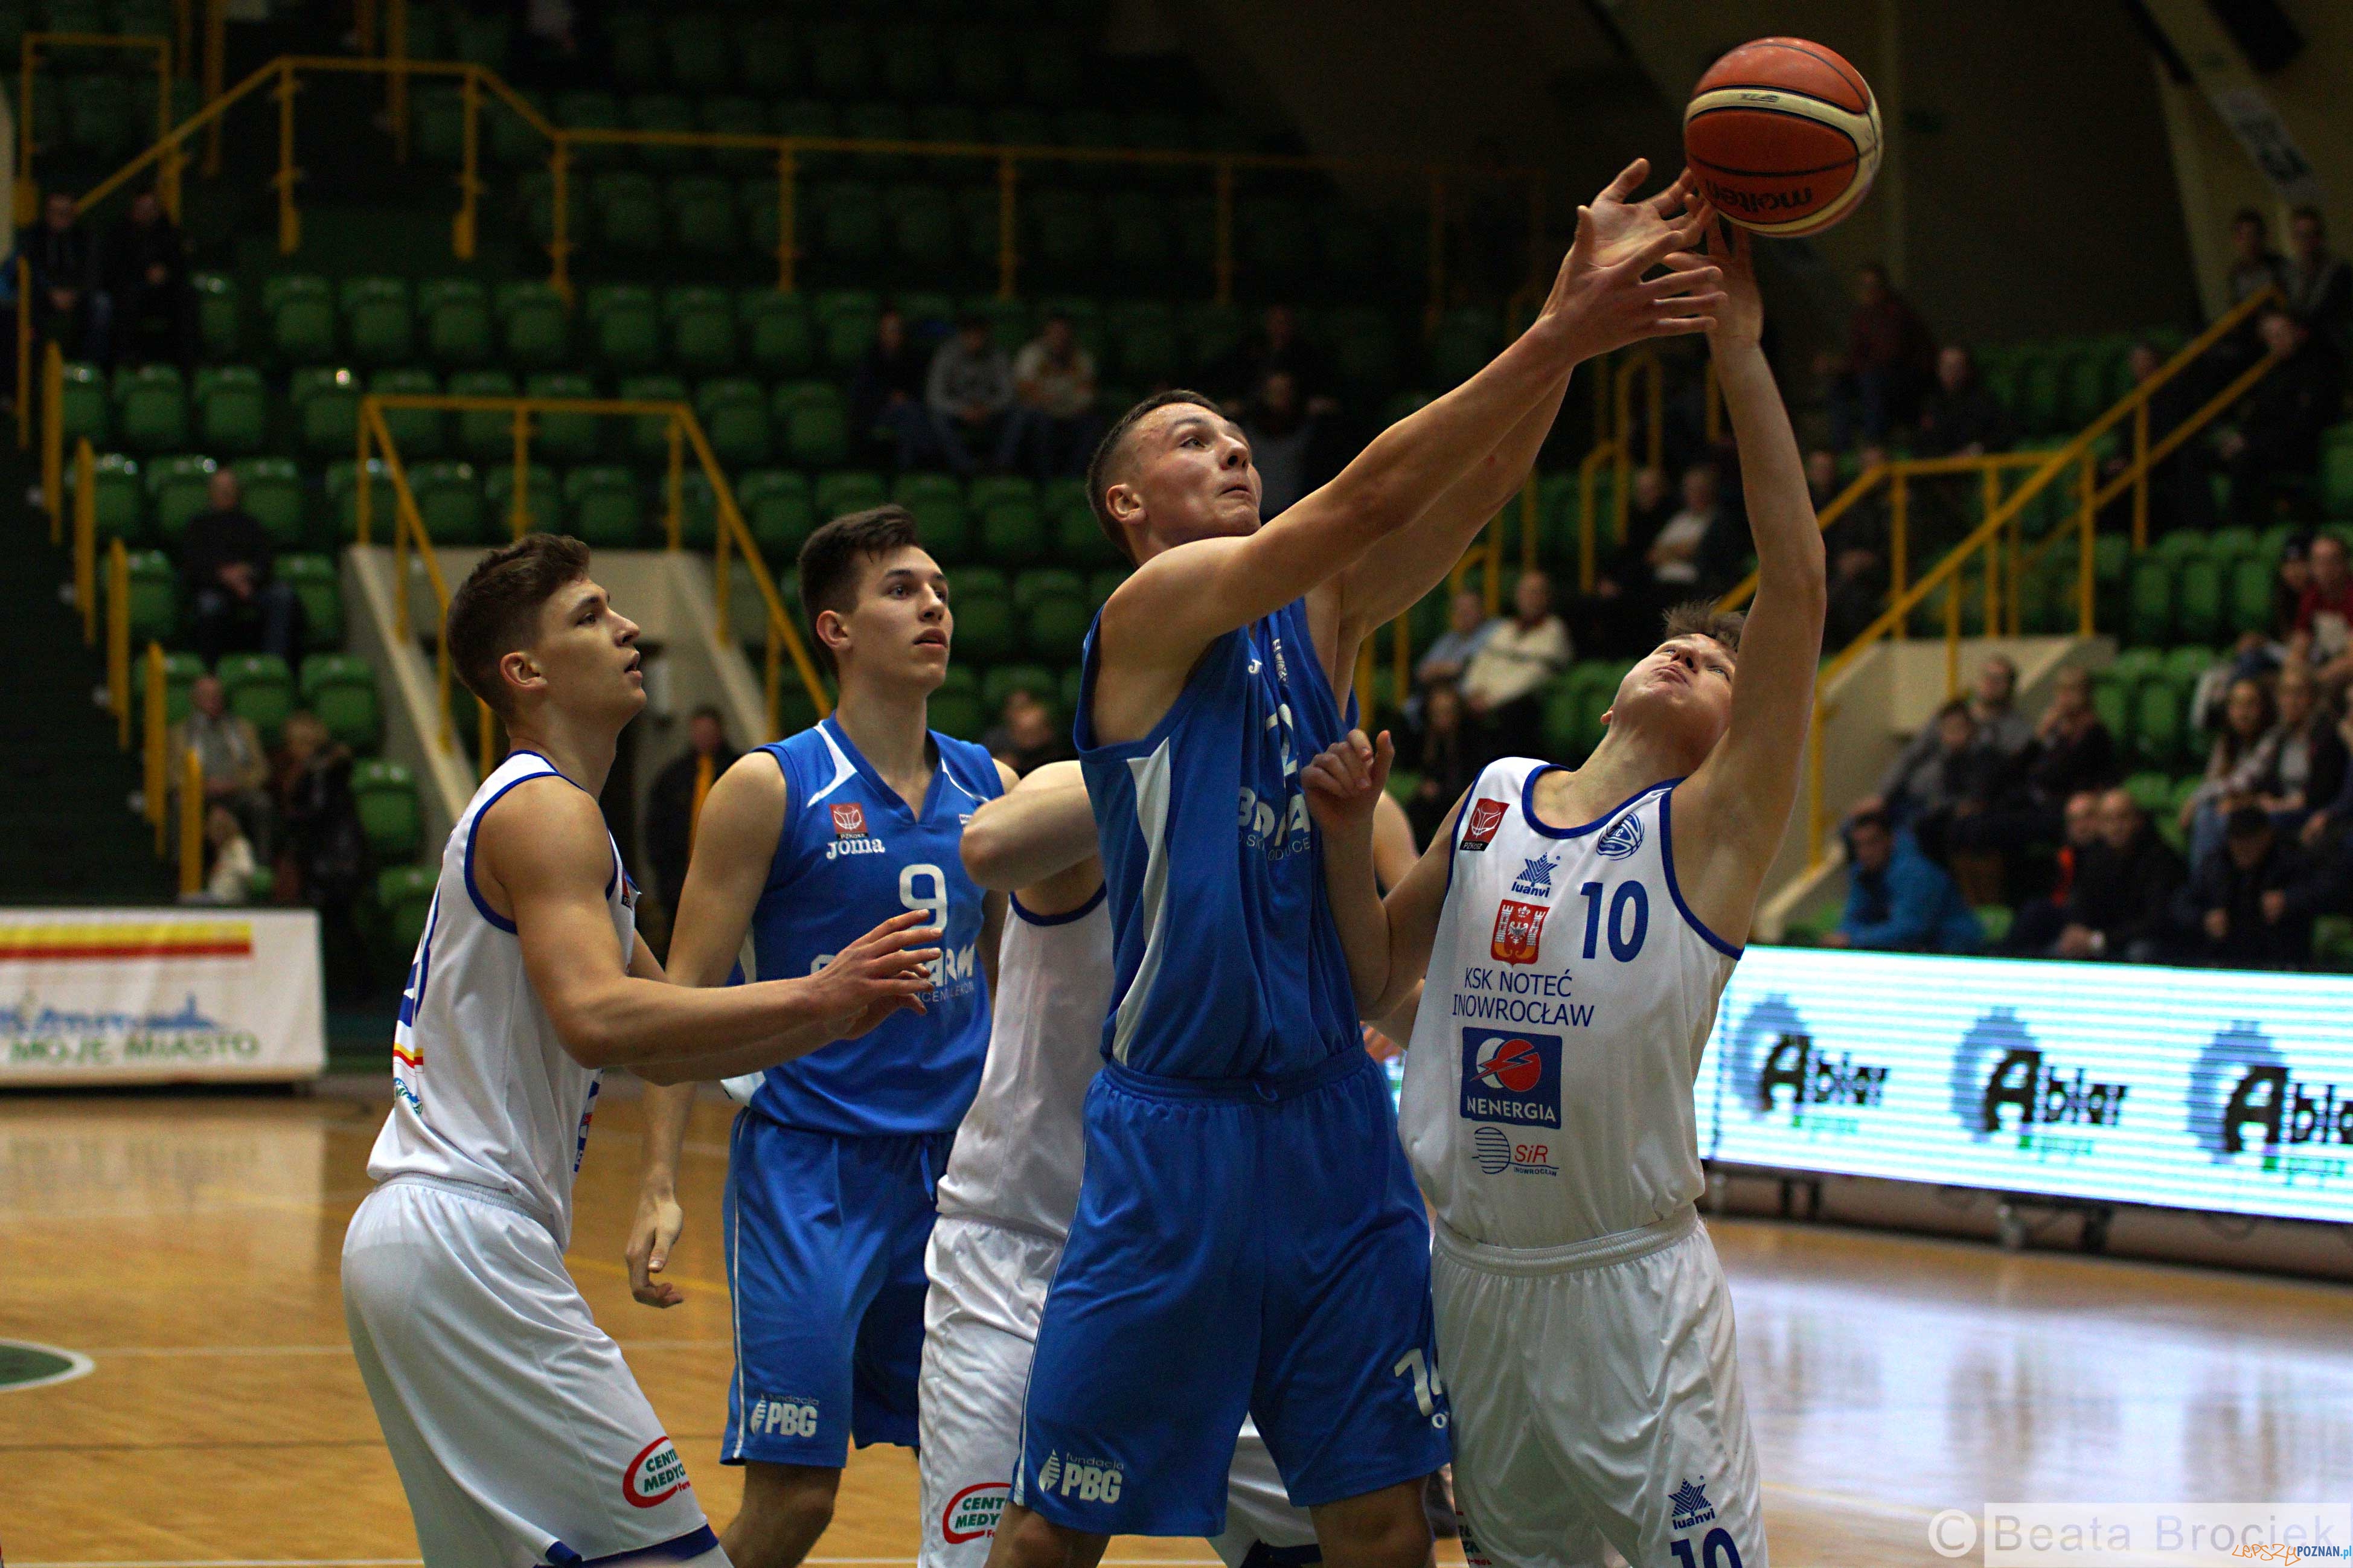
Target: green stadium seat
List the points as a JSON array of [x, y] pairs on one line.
[[1274, 241], [449, 502], [2151, 790], [979, 210], [99, 116], [1079, 540], [779, 510], [1063, 236], [935, 121], [623, 326], [650, 433], [635, 41], [260, 688], [738, 117], [121, 492], [220, 324], [272, 488], [1212, 333], [629, 210], [2336, 478], [702, 214], [2150, 601], [589, 110], [1364, 352], [456, 316], [955, 708], [878, 123], [1052, 70], [232, 408], [848, 222], [913, 65], [481, 37], [605, 507], [852, 489], [535, 324], [734, 418], [700, 51], [562, 436], [88, 411], [2135, 665], [701, 324], [384, 794], [661, 111], [416, 432], [2160, 721], [377, 320], [768, 49], [542, 501], [923, 224], [154, 599], [151, 408], [1068, 687], [840, 66], [698, 521], [987, 627], [484, 435], [342, 491], [2252, 590], [1146, 350], [1002, 680], [1136, 232], [774, 332], [2113, 699], [1103, 583], [2201, 607], [980, 66], [1012, 531], [1055, 611], [300, 310], [809, 117], [312, 578], [936, 502], [181, 670], [177, 491], [928, 312], [436, 124], [814, 420], [845, 321]]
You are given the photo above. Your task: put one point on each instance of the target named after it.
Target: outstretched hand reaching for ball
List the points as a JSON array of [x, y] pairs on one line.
[[1600, 300], [1740, 310]]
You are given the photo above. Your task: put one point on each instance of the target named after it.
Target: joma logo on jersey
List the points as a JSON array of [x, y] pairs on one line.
[[861, 845], [973, 1512], [655, 1475], [1089, 1480], [849, 820], [775, 1417], [1511, 1078], [1519, 932], [1486, 816]]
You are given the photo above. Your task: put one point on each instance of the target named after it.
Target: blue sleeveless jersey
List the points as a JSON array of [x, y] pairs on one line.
[[1227, 964], [851, 856]]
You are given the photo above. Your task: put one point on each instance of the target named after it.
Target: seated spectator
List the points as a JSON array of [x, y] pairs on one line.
[[231, 878], [1276, 346], [2278, 434], [2071, 757], [1856, 543], [2323, 636], [1502, 685], [1876, 386], [1622, 612], [229, 751], [673, 802], [1289, 444], [2181, 488], [1960, 413], [2326, 829], [2254, 265], [150, 296], [1026, 735], [2235, 763], [2250, 898], [1444, 662], [1447, 762], [2319, 283], [1946, 764], [2122, 888], [325, 862], [1993, 703], [1692, 553], [2304, 762], [2036, 927], [886, 396], [1052, 426], [235, 604], [968, 390], [1898, 900], [69, 307]]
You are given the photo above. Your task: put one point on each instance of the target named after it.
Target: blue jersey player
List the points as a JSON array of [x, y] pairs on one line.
[[832, 1167], [1248, 1237]]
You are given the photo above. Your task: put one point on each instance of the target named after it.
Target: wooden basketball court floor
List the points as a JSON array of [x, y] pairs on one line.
[[188, 1246]]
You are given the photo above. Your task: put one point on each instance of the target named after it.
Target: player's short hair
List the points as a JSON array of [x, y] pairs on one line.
[[496, 609], [1700, 618], [1102, 467], [830, 559]]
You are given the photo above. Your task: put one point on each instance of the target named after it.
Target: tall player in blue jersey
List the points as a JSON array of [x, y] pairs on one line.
[[1248, 1237], [832, 1167]]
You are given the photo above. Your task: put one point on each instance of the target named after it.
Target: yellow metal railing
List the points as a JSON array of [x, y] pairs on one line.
[[153, 755], [85, 538], [53, 439], [733, 535], [192, 822], [28, 195], [1613, 446]]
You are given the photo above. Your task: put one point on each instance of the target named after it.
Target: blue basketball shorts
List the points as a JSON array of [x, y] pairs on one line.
[[825, 1241], [1250, 1246]]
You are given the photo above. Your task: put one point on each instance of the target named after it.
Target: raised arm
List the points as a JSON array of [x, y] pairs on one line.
[[1386, 942], [1041, 827]]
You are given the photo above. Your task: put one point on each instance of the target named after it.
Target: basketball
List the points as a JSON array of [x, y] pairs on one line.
[[1784, 136]]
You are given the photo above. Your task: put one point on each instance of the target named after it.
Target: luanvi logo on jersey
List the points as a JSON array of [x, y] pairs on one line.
[[973, 1512], [1486, 816], [792, 1415], [1625, 836], [1086, 1480], [1519, 932], [655, 1475], [1690, 1506], [1535, 880], [1511, 1078]]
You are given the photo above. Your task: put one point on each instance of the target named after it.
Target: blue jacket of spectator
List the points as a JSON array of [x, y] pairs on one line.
[[1912, 906]]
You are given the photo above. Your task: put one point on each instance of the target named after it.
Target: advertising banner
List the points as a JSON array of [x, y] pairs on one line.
[[108, 996], [2193, 1089]]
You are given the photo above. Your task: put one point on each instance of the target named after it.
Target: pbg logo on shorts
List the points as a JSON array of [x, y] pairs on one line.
[[771, 1416], [1486, 815], [1511, 1078], [655, 1475], [1089, 1480], [973, 1512]]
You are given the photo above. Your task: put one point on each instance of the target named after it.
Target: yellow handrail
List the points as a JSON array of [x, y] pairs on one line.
[[118, 639], [85, 538], [1613, 412], [733, 534], [152, 744], [28, 195], [192, 822], [53, 439], [24, 354]]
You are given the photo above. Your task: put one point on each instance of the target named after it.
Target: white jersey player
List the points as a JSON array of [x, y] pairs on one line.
[[1012, 1183], [1576, 929], [520, 1437]]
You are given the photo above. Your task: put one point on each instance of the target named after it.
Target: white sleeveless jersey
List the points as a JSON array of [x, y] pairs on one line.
[[1547, 1095], [1021, 1148], [483, 1093]]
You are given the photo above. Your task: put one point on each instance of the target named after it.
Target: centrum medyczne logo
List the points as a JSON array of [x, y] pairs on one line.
[[2244, 1097], [2004, 1082]]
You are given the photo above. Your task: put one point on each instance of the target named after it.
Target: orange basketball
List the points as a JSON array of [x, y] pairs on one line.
[[1784, 136]]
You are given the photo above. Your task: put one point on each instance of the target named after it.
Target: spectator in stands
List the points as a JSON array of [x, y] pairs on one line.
[[235, 602], [1993, 725], [1897, 900], [1447, 763], [324, 863], [1451, 653], [1052, 426], [2278, 434], [2326, 830], [2319, 283], [2304, 762], [68, 305], [1960, 413], [2322, 636], [2250, 898], [230, 880], [2181, 494], [968, 391], [1622, 611], [229, 754], [2254, 265], [886, 396], [2037, 925], [1502, 686], [150, 296], [677, 791], [1856, 542], [1026, 736], [2235, 763], [1958, 777], [1890, 352], [1692, 553], [2124, 887], [1276, 345], [2072, 755], [1993, 703], [1290, 443]]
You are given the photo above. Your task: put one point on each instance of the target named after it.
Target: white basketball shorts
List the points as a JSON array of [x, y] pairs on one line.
[[520, 1436], [1597, 1398], [980, 1328]]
